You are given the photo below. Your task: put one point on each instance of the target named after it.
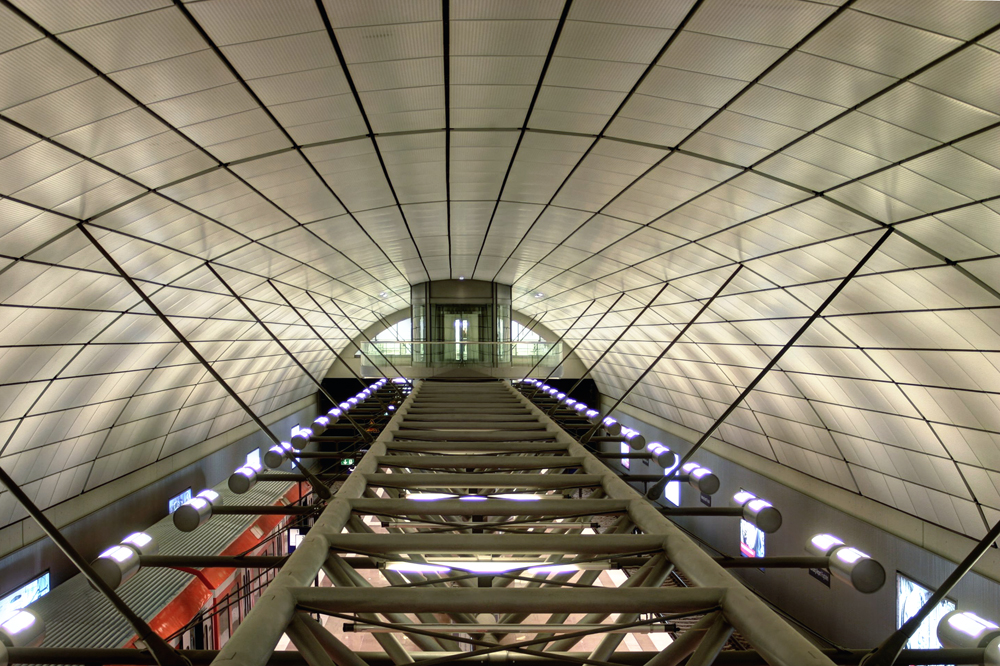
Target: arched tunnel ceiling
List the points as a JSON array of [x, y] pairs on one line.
[[577, 149]]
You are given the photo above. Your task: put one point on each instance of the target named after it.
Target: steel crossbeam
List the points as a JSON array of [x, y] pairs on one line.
[[482, 462], [498, 600], [490, 507], [449, 480], [455, 553]]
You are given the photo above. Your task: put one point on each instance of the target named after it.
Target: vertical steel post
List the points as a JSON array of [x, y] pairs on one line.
[[616, 340], [657, 488], [317, 485], [666, 350]]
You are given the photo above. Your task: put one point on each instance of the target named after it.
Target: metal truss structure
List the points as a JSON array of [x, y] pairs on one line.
[[480, 489]]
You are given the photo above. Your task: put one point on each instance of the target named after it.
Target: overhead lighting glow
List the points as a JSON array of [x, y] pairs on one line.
[[850, 555], [517, 497], [971, 624], [429, 497], [483, 567], [138, 539], [18, 622], [207, 494], [824, 542]]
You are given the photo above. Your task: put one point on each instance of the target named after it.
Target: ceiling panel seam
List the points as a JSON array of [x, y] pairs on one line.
[[288, 137], [601, 135], [784, 56], [814, 130], [134, 100], [567, 4], [364, 116]]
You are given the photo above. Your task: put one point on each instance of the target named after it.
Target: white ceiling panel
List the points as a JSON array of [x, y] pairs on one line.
[[572, 168]]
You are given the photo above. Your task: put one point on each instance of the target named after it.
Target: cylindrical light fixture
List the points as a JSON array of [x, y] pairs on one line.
[[117, 564], [848, 564], [857, 568], [763, 515], [334, 415], [243, 479], [276, 455], [634, 438], [301, 438], [703, 480], [192, 514], [962, 629], [758, 512], [22, 629], [142, 542], [663, 456], [612, 426], [321, 422]]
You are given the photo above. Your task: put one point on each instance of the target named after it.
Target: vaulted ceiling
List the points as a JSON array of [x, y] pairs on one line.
[[330, 153]]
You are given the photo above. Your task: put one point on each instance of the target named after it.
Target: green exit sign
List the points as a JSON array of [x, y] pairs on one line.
[[347, 461]]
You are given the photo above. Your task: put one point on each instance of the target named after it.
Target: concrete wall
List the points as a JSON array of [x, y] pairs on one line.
[[838, 613], [107, 524]]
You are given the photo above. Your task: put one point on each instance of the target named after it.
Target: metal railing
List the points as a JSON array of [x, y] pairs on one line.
[[376, 356]]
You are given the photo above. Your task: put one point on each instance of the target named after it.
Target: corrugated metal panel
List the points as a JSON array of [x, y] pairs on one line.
[[76, 615]]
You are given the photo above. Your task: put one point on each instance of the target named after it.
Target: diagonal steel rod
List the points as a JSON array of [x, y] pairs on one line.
[[163, 653], [558, 343], [365, 435], [318, 485], [657, 488], [887, 653], [362, 333], [579, 342], [707, 304], [488, 647], [350, 339], [336, 356], [611, 346]]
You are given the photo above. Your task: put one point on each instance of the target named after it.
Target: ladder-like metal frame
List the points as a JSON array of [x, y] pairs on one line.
[[498, 466]]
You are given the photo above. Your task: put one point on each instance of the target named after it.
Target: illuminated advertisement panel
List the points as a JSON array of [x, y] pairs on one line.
[[176, 501], [751, 540], [910, 597], [24, 595]]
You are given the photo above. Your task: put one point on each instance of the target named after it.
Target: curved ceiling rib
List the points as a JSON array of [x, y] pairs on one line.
[[576, 149]]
